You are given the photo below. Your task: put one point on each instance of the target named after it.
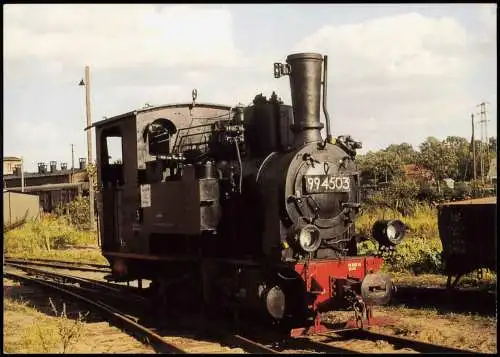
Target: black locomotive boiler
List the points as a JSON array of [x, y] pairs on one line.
[[245, 210]]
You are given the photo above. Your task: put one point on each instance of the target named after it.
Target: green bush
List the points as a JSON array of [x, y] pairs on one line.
[[399, 195], [420, 251], [414, 254], [76, 212], [462, 191]]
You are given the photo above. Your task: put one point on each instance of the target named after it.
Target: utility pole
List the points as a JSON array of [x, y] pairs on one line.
[[484, 137], [473, 150], [72, 157], [22, 174], [86, 83]]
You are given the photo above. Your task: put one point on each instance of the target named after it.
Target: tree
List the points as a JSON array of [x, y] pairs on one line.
[[492, 145], [405, 152], [380, 166], [437, 157], [461, 168]]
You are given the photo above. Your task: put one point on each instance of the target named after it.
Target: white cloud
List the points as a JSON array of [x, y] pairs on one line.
[[409, 71], [392, 48], [488, 17], [123, 35], [485, 40]]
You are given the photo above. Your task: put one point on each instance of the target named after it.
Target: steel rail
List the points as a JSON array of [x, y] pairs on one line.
[[305, 343], [60, 264], [286, 344], [397, 341], [250, 345], [112, 290], [58, 261]]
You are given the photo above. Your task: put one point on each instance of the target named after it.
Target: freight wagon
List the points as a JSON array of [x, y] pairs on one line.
[[468, 231]]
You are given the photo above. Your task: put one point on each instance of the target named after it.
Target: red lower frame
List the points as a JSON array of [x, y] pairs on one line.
[[319, 275]]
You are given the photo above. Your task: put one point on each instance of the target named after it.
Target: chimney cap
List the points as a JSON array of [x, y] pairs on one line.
[[307, 55]]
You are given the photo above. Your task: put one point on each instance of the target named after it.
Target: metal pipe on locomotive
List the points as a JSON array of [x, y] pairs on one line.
[[257, 218]]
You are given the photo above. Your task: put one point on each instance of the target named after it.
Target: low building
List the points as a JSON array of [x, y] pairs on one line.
[[19, 208], [44, 177], [54, 195], [54, 187], [10, 163]]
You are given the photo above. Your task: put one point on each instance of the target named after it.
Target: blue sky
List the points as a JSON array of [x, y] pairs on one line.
[[396, 72]]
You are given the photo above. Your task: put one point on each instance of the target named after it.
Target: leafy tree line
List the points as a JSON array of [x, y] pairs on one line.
[[449, 158]]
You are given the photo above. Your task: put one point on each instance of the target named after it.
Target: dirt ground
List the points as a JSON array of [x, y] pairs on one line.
[[32, 326], [463, 331]]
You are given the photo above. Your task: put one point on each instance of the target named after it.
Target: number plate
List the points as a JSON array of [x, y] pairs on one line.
[[326, 183]]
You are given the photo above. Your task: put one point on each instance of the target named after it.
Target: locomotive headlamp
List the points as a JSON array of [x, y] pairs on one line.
[[309, 238], [389, 233]]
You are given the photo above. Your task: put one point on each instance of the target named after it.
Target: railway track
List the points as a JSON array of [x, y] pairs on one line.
[[99, 268], [109, 289], [92, 293], [99, 295], [114, 315]]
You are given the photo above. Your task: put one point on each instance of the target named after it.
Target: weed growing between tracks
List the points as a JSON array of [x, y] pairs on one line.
[[45, 334]]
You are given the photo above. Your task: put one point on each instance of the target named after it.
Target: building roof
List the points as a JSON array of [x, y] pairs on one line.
[[154, 108], [11, 158], [36, 174]]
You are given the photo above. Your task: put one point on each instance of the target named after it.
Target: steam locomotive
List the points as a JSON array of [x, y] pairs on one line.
[[244, 210]]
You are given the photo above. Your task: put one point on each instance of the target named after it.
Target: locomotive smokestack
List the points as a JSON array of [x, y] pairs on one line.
[[305, 84]]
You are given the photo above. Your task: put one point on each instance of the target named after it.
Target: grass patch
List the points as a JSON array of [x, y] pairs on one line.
[[467, 331], [52, 237], [429, 280], [422, 223], [47, 233], [67, 255]]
